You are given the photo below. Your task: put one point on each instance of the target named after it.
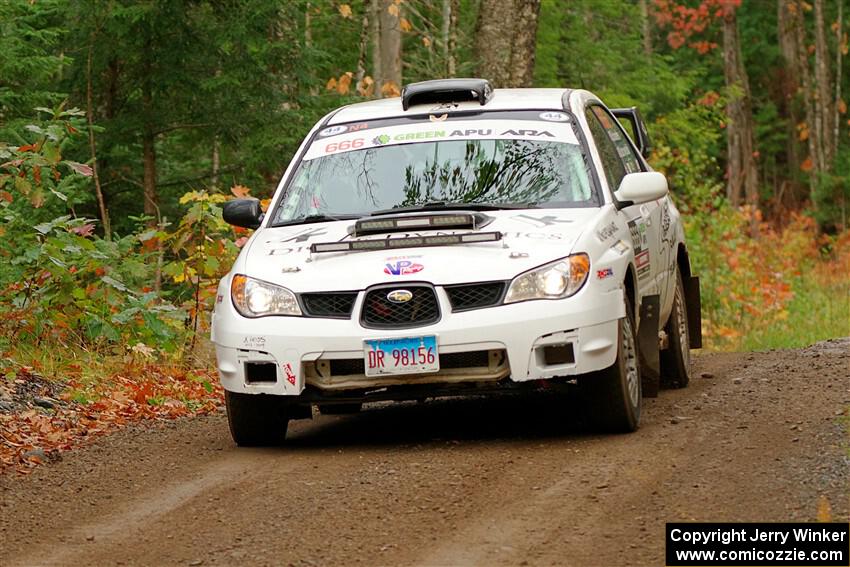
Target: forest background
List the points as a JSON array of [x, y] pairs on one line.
[[124, 125]]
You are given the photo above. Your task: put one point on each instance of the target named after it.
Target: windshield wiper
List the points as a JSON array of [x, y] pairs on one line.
[[309, 219], [449, 206]]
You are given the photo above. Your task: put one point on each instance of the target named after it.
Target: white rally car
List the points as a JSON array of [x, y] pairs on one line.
[[458, 240]]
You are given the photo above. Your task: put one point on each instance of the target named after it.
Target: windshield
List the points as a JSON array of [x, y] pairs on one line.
[[498, 162]]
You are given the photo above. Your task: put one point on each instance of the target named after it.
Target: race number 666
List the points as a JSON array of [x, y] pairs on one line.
[[344, 145]]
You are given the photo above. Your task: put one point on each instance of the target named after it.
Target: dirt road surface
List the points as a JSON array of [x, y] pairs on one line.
[[757, 437]]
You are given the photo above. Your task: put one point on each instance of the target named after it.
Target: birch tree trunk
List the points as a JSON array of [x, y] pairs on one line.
[[742, 171]]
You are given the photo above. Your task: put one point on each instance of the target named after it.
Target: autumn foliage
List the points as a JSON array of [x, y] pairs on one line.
[[89, 409]]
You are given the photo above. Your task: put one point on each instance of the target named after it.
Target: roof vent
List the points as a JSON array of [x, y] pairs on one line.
[[446, 90]]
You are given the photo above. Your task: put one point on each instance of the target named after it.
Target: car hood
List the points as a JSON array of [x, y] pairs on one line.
[[530, 238]]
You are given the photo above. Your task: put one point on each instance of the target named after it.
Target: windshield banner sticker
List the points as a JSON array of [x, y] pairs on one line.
[[332, 141]]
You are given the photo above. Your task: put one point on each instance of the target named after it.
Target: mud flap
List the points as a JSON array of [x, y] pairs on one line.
[[650, 367], [694, 308]]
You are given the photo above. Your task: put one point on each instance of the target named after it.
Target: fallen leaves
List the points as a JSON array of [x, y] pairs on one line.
[[139, 393]]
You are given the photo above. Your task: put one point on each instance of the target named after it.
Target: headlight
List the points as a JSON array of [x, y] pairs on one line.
[[556, 280], [255, 298]]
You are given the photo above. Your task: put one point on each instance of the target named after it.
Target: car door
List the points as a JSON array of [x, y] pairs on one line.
[[619, 158]]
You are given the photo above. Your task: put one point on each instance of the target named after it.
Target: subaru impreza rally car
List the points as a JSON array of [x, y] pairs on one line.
[[458, 240]]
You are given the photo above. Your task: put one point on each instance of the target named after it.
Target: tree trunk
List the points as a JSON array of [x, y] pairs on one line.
[[791, 77], [525, 42], [445, 32], [101, 204], [361, 56], [151, 201], [742, 171], [390, 51], [645, 27], [836, 119], [216, 162], [375, 32], [823, 98], [506, 40], [452, 62], [308, 26], [796, 22]]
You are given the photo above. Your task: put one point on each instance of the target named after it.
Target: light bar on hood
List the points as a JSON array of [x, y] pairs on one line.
[[406, 242], [422, 222]]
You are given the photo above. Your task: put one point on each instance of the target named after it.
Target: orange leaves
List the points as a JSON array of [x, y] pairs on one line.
[[366, 87], [390, 89], [709, 99], [393, 9], [405, 25], [28, 438], [703, 47], [345, 11], [675, 39], [344, 83], [807, 165], [842, 107], [240, 191], [751, 281], [689, 21], [803, 131], [341, 85]]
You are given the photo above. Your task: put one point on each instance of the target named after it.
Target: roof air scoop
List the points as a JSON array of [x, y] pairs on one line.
[[446, 90]]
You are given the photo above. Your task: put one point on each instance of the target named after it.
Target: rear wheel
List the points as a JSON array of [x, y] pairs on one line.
[[676, 359], [613, 396], [256, 420]]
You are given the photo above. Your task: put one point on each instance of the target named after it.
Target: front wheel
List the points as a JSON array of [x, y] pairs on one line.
[[256, 420], [676, 359], [613, 396]]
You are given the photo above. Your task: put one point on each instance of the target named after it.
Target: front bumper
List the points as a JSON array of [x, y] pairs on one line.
[[509, 342]]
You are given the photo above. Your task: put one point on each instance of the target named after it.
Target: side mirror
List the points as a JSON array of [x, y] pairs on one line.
[[642, 187], [243, 212]]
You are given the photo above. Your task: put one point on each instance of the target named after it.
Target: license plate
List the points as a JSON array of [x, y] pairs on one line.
[[412, 355]]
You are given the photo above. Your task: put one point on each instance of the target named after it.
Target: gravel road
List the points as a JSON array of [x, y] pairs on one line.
[[512, 481]]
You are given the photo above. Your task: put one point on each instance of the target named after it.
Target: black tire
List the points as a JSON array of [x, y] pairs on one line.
[[340, 409], [676, 358], [256, 420], [613, 397]]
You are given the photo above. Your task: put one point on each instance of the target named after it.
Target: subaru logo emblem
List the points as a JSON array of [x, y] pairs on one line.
[[399, 296]]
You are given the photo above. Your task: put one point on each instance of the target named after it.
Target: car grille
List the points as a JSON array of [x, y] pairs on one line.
[[381, 313], [337, 304], [475, 296]]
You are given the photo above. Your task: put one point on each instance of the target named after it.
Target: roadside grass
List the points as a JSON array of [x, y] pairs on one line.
[[784, 287], [819, 310]]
